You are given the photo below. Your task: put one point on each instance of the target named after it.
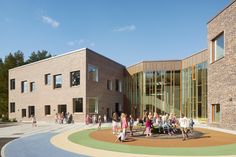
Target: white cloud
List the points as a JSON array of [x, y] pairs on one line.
[[81, 43], [50, 21], [125, 29]]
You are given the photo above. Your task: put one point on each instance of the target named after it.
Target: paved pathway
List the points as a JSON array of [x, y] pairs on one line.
[[49, 140], [36, 146]]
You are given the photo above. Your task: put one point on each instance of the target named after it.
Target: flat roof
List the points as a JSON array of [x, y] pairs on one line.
[[221, 11]]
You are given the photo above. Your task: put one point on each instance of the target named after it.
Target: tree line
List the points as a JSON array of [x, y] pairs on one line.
[[10, 61]]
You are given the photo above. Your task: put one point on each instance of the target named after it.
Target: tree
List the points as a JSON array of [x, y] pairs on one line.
[[10, 61], [38, 56]]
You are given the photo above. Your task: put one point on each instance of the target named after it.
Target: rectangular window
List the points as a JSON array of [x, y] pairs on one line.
[[31, 111], [57, 81], [77, 104], [118, 85], [12, 84], [92, 73], [109, 84], [216, 113], [32, 86], [23, 113], [75, 78], [217, 49], [47, 79], [93, 105], [12, 107], [24, 86], [47, 109]]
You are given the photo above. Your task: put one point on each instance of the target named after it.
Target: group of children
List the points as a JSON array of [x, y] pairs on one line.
[[61, 118], [164, 123], [94, 119]]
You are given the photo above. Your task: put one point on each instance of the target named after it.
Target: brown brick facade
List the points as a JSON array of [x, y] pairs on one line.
[[222, 73]]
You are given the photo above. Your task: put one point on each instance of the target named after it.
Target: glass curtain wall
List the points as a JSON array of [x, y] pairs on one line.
[[194, 91], [153, 91]]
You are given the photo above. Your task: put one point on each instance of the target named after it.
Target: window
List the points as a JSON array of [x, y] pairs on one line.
[[77, 104], [217, 49], [47, 79], [32, 86], [57, 81], [109, 84], [47, 109], [93, 105], [23, 113], [31, 111], [216, 113], [118, 85], [12, 84], [75, 78], [24, 87], [12, 107], [92, 73]]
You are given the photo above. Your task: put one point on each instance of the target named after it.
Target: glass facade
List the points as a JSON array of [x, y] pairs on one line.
[[153, 91], [194, 91], [168, 91]]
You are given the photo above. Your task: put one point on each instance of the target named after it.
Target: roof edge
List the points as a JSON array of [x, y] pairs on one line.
[[47, 59], [221, 11]]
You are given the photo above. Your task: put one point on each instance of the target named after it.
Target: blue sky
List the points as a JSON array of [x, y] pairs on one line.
[[127, 31]]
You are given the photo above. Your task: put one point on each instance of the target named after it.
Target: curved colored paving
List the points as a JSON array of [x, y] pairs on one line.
[[38, 145], [84, 138]]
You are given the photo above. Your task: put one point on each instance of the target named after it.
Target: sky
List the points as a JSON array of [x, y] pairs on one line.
[[127, 31]]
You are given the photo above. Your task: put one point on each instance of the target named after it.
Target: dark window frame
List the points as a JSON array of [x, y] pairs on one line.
[[46, 80], [77, 101], [73, 74], [12, 84], [12, 107], [47, 110], [55, 86], [31, 86]]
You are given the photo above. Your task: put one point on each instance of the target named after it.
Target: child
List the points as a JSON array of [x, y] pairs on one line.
[[33, 121], [191, 123], [105, 118], [121, 137], [99, 122], [87, 119], [131, 124], [148, 127], [94, 118], [114, 123], [124, 124], [183, 121]]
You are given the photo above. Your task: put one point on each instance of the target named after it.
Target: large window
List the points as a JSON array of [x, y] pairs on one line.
[[23, 113], [92, 73], [47, 109], [216, 113], [109, 84], [217, 50], [77, 104], [32, 86], [75, 78], [57, 81], [12, 107], [93, 105], [24, 86], [12, 84], [47, 79]]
